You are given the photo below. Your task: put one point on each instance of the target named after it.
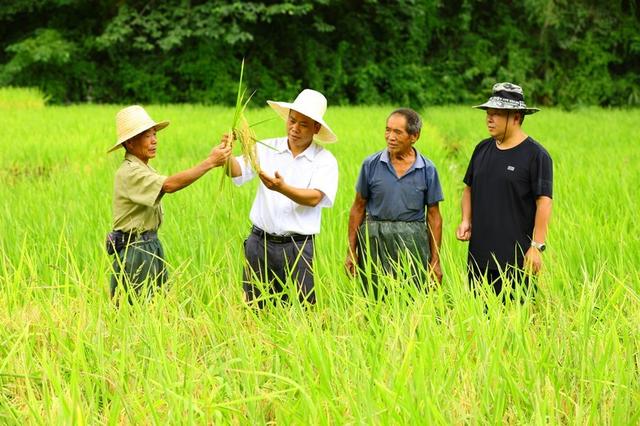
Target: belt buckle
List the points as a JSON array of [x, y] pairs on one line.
[[275, 238], [278, 238], [284, 238]]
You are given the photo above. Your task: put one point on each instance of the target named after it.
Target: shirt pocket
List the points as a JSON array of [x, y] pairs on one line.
[[413, 197]]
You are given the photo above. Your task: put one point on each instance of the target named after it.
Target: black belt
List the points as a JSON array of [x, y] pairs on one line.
[[372, 219], [118, 240], [137, 236], [278, 238]]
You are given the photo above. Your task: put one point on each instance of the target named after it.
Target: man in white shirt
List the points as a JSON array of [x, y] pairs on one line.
[[299, 178]]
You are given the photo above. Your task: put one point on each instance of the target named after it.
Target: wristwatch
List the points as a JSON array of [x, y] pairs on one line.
[[539, 246]]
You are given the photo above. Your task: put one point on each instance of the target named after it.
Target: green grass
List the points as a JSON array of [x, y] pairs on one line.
[[199, 355], [19, 97]]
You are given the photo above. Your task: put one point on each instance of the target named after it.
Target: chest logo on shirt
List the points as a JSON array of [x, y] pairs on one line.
[[511, 168]]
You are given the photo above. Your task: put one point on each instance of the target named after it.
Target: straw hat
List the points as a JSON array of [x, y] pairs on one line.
[[132, 121], [507, 96], [312, 104]]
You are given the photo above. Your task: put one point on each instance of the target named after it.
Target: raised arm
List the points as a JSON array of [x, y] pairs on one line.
[[217, 157], [233, 167]]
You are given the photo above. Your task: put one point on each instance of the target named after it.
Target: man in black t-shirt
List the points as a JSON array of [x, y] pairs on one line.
[[507, 197]]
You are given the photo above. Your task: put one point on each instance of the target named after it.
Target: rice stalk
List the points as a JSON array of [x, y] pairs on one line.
[[247, 137], [240, 128]]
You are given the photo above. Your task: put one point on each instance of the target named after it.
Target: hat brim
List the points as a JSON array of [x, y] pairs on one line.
[[158, 126], [506, 106], [325, 134]]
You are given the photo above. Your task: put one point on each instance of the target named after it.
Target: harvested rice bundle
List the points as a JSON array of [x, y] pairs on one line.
[[242, 132], [240, 128], [247, 137]]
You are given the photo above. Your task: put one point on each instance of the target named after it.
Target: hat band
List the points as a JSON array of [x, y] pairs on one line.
[[510, 102], [514, 96]]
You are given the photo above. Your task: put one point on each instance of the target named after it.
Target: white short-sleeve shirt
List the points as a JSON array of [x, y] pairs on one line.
[[315, 168]]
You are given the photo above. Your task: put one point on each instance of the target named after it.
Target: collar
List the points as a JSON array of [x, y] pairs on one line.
[[134, 159], [418, 164], [310, 153]]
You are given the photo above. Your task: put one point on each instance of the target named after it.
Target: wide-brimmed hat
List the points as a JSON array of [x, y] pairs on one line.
[[507, 96], [311, 103], [132, 121]]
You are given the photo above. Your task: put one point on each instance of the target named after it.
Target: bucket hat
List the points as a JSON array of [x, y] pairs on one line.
[[507, 96], [311, 103], [132, 121]]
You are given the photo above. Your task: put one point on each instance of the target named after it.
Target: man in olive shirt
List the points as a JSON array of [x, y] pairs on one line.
[[137, 211]]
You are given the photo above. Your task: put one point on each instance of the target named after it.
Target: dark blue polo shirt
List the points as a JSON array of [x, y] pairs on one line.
[[401, 199]]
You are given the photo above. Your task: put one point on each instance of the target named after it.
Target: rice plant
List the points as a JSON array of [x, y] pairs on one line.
[[198, 354]]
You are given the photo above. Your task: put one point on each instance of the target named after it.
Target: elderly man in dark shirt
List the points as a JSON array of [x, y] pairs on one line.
[[396, 189]]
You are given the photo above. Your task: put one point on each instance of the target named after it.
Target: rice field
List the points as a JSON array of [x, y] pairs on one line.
[[198, 355]]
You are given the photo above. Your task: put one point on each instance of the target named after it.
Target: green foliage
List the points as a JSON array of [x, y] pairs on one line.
[[37, 59], [407, 52]]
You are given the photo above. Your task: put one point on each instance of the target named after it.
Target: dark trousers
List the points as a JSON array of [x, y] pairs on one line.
[[138, 266], [511, 282], [270, 264]]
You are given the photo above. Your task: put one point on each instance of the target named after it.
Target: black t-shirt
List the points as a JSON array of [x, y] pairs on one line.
[[504, 187]]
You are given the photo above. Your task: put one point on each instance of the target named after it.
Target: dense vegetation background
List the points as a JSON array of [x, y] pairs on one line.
[[415, 53]]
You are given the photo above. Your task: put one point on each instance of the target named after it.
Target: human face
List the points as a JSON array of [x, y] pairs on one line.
[[398, 140], [500, 122], [143, 145], [300, 130]]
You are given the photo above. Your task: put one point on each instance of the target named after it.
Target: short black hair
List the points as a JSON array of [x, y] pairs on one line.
[[414, 122], [516, 111]]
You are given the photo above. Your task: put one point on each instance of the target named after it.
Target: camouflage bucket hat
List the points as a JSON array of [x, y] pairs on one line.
[[507, 96]]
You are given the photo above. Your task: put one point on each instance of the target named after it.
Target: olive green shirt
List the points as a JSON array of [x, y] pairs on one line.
[[136, 196]]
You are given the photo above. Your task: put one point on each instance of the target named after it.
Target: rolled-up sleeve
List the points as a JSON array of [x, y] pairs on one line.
[[247, 173]]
